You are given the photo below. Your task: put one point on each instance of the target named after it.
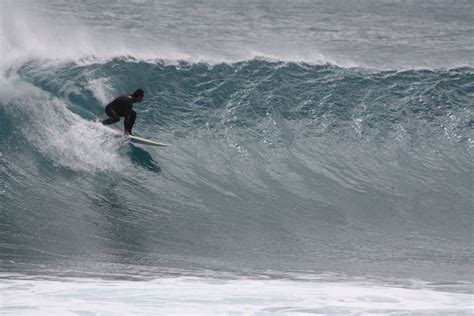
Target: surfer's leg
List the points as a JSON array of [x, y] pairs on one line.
[[113, 117]]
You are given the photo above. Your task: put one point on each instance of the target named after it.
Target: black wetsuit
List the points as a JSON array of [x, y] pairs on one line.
[[121, 107]]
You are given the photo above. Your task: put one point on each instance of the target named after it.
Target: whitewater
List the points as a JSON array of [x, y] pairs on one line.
[[321, 158]]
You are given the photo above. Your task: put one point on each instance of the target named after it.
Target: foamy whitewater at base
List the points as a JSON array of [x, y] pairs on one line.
[[209, 296], [191, 295], [321, 158]]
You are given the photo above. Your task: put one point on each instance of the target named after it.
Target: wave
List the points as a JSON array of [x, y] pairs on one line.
[[270, 161]]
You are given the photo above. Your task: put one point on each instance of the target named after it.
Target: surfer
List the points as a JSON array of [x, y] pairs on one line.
[[122, 107]]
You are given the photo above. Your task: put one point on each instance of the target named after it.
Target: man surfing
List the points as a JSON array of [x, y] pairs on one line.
[[122, 107]]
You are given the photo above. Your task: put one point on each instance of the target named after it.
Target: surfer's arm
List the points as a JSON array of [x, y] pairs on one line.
[[126, 124]]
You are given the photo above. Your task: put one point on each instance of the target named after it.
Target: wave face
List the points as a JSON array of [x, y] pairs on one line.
[[271, 161], [277, 163]]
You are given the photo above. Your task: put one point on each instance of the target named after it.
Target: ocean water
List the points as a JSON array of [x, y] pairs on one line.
[[321, 158]]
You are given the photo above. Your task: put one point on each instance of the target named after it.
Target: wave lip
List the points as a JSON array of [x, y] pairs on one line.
[[350, 36]]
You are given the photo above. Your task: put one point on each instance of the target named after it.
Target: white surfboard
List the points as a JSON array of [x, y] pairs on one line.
[[139, 140], [143, 141]]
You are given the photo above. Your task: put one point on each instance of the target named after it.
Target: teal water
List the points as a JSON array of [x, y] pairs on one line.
[[271, 161]]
